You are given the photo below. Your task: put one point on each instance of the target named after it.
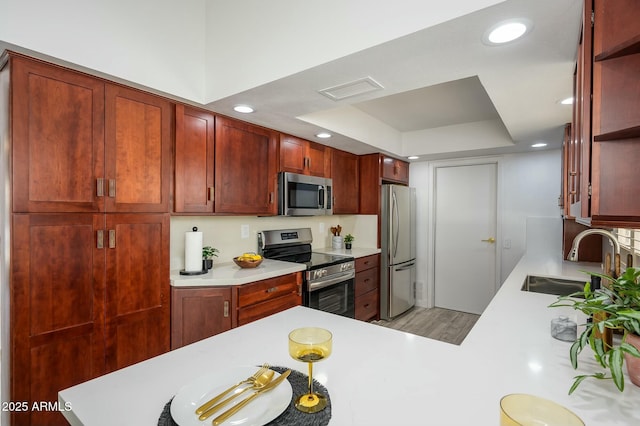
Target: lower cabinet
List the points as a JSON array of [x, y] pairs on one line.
[[86, 298], [367, 287], [201, 312], [198, 313], [263, 298]]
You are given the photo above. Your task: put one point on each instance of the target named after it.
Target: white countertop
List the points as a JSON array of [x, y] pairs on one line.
[[224, 274], [228, 273], [379, 376]]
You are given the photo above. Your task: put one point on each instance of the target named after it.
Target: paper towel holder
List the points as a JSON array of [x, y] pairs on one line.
[[200, 272]]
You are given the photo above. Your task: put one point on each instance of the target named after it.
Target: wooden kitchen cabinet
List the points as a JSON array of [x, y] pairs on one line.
[[367, 288], [57, 309], [345, 176], [137, 304], [304, 157], [394, 170], [606, 117], [266, 297], [376, 169], [82, 308], [616, 111], [57, 126], [245, 168], [198, 313], [89, 230], [194, 160], [138, 150], [84, 145]]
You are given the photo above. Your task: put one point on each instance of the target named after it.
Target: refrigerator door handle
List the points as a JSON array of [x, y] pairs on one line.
[[407, 266], [396, 223]]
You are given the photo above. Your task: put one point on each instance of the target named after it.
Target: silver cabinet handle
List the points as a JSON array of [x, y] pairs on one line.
[[112, 238], [100, 239], [226, 309]]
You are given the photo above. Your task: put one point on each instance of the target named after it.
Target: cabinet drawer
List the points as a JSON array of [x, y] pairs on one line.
[[261, 310], [367, 262], [367, 280], [367, 306], [260, 291]]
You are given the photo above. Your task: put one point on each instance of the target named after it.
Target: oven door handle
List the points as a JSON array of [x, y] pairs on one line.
[[317, 285]]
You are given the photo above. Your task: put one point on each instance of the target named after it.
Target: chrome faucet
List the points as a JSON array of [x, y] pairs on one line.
[[573, 253]]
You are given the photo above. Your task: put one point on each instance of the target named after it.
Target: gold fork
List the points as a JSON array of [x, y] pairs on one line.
[[249, 380]]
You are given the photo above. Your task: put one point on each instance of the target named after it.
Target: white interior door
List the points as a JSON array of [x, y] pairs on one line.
[[465, 237]]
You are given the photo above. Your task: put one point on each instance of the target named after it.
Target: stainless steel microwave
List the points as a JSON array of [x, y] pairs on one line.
[[302, 195]]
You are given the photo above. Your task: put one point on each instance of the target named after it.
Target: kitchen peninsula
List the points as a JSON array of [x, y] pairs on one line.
[[381, 376]]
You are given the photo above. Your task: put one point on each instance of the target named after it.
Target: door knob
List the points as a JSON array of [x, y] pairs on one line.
[[490, 240]]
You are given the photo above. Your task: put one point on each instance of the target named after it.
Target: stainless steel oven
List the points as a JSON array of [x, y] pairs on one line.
[[329, 280], [331, 289]]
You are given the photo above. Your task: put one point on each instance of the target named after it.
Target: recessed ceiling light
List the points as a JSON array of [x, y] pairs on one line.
[[506, 31], [412, 157], [567, 101], [538, 145], [323, 135], [245, 109]]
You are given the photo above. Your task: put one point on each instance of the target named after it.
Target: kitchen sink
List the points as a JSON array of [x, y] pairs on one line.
[[555, 286]]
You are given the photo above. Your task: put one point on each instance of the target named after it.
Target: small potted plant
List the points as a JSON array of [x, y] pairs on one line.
[[616, 307], [348, 240], [208, 253]]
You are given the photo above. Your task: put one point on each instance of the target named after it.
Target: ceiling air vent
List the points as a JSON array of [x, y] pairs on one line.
[[353, 88]]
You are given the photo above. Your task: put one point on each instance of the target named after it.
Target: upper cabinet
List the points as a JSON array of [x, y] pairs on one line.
[[376, 169], [304, 157], [394, 170], [86, 145], [245, 168], [58, 132], [137, 150], [194, 160], [607, 115], [346, 186], [224, 165]]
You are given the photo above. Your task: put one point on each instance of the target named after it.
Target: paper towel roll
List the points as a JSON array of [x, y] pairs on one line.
[[193, 251]]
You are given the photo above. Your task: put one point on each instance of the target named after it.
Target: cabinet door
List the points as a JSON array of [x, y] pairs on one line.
[[198, 313], [57, 138], [318, 160], [395, 170], [57, 315], [293, 156], [344, 167], [137, 297], [304, 157], [246, 168], [194, 160], [138, 151]]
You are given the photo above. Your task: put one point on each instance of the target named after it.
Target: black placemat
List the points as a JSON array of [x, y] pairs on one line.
[[291, 416]]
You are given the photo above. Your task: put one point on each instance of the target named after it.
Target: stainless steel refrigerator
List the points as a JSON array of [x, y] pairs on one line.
[[398, 257]]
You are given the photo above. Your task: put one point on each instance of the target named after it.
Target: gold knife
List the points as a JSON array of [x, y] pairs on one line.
[[230, 412]]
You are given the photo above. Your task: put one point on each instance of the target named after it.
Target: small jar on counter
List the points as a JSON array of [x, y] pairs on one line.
[[562, 328]]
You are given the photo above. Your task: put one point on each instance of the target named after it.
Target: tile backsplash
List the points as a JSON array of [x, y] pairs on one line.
[[234, 235]]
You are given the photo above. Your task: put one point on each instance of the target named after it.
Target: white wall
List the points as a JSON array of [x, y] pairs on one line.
[[159, 44], [529, 185], [530, 189], [224, 232]]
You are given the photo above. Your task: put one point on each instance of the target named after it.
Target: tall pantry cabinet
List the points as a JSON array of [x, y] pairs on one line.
[[90, 169]]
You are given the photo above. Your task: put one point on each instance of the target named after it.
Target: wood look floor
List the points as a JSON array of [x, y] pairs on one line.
[[435, 323]]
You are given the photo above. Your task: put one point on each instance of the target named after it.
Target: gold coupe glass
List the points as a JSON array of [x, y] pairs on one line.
[[310, 344]]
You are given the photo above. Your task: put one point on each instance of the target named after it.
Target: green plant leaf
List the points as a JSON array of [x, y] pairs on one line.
[[576, 383], [630, 349], [615, 365]]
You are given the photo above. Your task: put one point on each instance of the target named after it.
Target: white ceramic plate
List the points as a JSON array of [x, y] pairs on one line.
[[260, 411]]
